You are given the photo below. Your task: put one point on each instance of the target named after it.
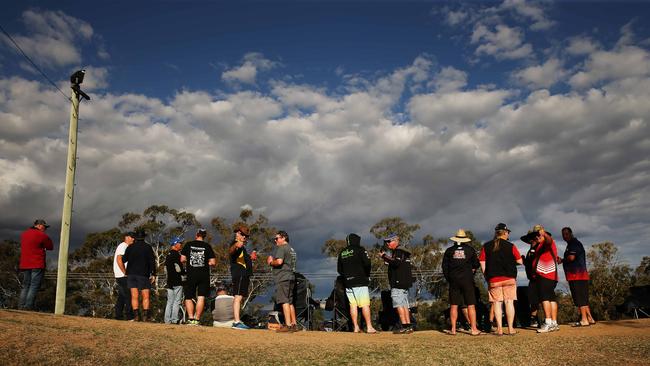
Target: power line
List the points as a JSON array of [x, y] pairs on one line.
[[32, 62]]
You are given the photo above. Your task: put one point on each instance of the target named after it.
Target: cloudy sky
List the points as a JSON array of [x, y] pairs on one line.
[[328, 116]]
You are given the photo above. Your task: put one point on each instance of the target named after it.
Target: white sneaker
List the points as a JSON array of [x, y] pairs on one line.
[[556, 327], [546, 327]]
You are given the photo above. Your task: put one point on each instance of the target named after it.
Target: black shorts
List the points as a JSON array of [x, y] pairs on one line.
[[139, 282], [545, 289], [240, 285], [462, 293], [196, 285], [284, 292], [580, 292], [533, 299]]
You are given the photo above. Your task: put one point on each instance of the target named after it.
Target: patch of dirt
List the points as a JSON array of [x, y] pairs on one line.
[[37, 338]]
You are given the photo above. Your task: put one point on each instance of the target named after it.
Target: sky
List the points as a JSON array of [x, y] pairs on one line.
[[328, 116]]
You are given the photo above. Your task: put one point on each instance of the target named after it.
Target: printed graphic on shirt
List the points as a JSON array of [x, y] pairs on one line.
[[197, 257], [546, 267], [459, 254]]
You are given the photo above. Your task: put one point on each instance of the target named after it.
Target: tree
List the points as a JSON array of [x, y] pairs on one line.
[[9, 280], [610, 280], [642, 273]]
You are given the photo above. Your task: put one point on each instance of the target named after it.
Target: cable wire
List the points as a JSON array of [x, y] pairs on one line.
[[33, 64]]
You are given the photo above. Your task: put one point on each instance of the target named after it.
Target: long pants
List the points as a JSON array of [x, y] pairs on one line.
[[31, 282], [174, 300], [123, 300]]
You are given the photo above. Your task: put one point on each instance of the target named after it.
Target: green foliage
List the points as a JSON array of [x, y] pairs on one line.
[[642, 273], [609, 279], [394, 225], [9, 278]]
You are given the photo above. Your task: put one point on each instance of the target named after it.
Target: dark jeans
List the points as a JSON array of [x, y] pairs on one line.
[[123, 300], [31, 281]]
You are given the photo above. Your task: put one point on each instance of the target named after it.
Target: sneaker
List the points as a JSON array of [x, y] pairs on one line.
[[294, 329], [556, 327], [239, 326], [283, 329], [534, 323], [409, 330], [193, 322], [546, 327]]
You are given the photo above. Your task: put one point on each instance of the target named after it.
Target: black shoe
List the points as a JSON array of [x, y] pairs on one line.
[[145, 315]]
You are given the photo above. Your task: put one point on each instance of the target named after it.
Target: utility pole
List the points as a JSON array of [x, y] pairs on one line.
[[62, 270]]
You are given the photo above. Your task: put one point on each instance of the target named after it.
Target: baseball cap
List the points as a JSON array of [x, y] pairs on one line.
[[176, 240], [501, 226], [242, 229], [41, 222], [391, 237]]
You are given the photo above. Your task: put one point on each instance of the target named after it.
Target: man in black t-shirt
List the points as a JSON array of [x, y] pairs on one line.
[[198, 257]]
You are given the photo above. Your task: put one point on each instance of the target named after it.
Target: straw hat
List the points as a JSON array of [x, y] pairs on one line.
[[460, 237]]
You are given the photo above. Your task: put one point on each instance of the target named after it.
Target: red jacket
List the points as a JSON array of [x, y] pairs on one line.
[[33, 244]]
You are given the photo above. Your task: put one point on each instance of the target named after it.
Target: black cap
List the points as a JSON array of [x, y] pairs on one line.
[[140, 235], [41, 222], [501, 226]]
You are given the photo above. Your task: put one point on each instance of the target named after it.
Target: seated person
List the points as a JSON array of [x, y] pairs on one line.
[[223, 311]]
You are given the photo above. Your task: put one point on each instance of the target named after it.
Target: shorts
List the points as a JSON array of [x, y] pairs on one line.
[[462, 293], [240, 285], [358, 296], [580, 292], [533, 299], [139, 282], [400, 297], [196, 285], [545, 289], [284, 292], [503, 291]]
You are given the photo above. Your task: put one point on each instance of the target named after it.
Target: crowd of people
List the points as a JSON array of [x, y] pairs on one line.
[[188, 268]]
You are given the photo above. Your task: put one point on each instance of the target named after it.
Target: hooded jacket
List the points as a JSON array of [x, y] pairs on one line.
[[354, 263]]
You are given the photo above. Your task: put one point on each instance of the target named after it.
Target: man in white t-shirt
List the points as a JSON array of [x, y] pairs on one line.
[[119, 269]]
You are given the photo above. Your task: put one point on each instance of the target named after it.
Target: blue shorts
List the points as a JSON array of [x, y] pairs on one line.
[[358, 296], [400, 297]]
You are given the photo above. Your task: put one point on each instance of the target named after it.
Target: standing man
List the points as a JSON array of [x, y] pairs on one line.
[[401, 279], [33, 244], [533, 300], [459, 264], [175, 279], [545, 264], [499, 259], [575, 270], [119, 270], [283, 263], [199, 257], [353, 265], [241, 269], [140, 274]]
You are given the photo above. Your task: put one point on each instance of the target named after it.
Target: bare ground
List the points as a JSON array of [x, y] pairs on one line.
[[44, 339]]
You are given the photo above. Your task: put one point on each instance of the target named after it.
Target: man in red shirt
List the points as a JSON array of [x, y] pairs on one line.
[[33, 244]]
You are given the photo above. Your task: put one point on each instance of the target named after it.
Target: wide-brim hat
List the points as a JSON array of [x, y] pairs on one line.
[[528, 238], [537, 228], [243, 229], [461, 237]]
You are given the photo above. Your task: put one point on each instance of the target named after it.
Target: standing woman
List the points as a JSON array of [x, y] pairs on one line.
[[499, 259]]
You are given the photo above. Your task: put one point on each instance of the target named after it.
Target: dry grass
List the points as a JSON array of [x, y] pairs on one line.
[[36, 338]]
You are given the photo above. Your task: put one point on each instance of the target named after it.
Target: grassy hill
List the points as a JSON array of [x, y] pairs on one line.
[[37, 338]]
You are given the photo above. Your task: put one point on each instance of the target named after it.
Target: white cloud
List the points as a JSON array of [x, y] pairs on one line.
[[582, 45], [625, 62], [541, 76], [530, 10], [449, 79], [503, 42], [246, 73]]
